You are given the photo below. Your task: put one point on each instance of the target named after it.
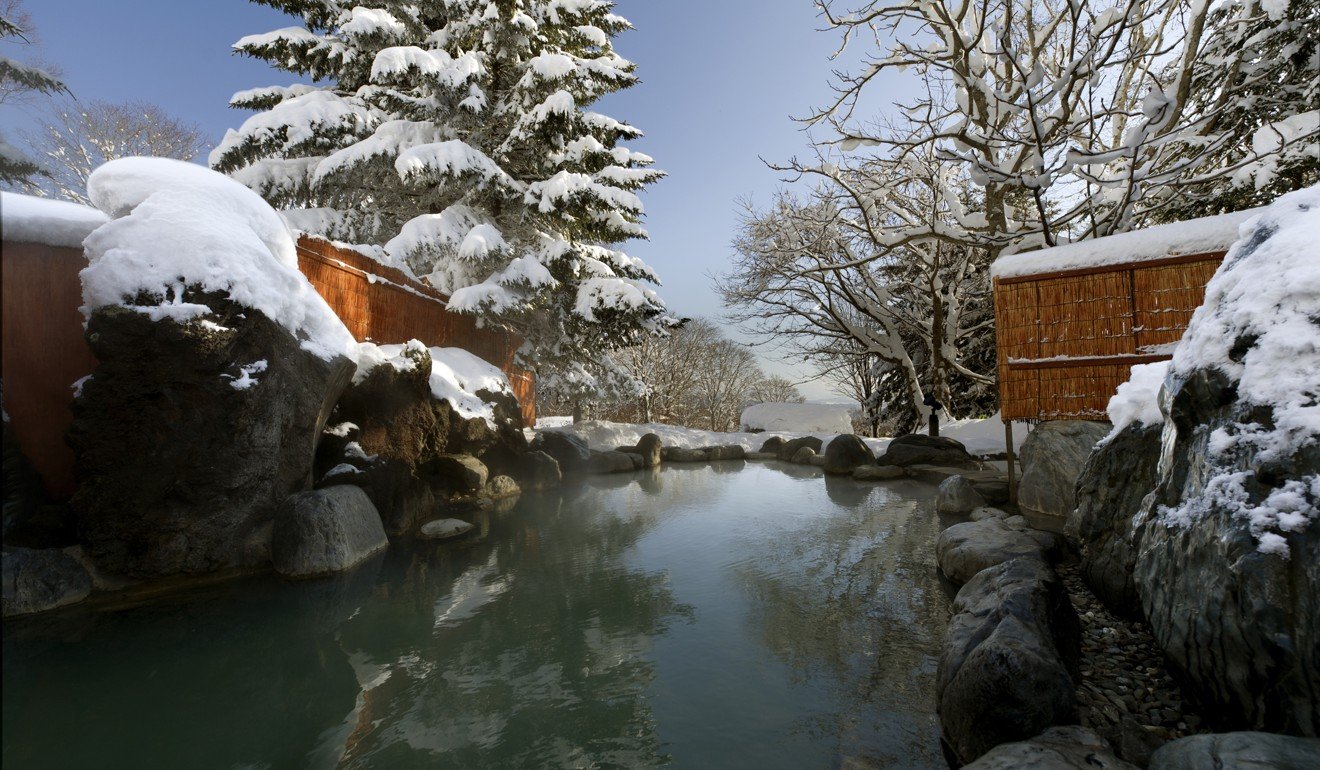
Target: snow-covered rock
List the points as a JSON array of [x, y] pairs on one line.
[[1137, 401], [178, 228], [797, 418], [26, 219], [1228, 566], [457, 376]]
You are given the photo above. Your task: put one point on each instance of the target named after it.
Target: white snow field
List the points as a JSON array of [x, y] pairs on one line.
[[798, 418], [27, 219]]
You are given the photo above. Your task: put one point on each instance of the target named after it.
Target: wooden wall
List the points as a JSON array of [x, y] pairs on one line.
[[1067, 340], [44, 352]]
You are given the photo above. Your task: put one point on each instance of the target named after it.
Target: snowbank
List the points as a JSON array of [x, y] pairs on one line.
[[801, 418], [1138, 400], [1267, 291], [1194, 236], [175, 225], [456, 374], [26, 219]]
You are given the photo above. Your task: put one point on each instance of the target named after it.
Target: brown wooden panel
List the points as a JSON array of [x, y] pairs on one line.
[[1166, 297], [1086, 316], [44, 353]]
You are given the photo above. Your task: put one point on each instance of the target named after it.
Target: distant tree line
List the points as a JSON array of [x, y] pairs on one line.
[[696, 377]]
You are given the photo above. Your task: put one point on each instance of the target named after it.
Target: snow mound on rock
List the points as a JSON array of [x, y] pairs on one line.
[[176, 225], [1137, 401], [798, 418], [456, 375], [1260, 326], [26, 219]]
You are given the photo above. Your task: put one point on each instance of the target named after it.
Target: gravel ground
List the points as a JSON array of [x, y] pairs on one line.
[[1126, 693]]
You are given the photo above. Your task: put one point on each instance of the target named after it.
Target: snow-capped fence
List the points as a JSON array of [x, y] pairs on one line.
[[1072, 320], [381, 304]]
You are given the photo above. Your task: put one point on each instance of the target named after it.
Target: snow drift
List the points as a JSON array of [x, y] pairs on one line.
[[798, 418]]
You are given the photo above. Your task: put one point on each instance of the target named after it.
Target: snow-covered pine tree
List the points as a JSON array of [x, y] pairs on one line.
[[17, 80], [455, 134]]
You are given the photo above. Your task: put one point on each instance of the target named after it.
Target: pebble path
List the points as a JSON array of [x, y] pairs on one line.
[[1126, 693]]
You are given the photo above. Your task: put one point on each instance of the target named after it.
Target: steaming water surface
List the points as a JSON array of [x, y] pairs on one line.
[[729, 615]]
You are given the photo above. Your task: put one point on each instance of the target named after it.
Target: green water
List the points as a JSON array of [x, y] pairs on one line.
[[723, 616]]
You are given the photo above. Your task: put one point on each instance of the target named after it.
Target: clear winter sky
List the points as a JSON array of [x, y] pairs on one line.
[[720, 80]]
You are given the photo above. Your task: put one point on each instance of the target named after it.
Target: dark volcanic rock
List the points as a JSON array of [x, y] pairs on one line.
[[1009, 662], [461, 473], [772, 444], [919, 449], [678, 454], [1109, 493], [613, 462], [407, 431], [177, 468], [36, 581], [1245, 750], [965, 549], [1058, 748], [540, 471], [789, 449], [1242, 626], [725, 452], [1052, 460], [957, 495], [569, 450], [845, 452], [325, 531]]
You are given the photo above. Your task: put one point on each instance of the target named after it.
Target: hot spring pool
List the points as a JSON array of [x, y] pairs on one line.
[[717, 616]]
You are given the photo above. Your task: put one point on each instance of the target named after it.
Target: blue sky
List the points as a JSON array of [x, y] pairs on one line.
[[720, 80]]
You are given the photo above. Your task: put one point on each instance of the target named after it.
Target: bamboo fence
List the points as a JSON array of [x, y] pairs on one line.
[[383, 305], [1067, 339]]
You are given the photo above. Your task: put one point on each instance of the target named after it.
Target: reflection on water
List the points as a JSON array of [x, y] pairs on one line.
[[690, 617]]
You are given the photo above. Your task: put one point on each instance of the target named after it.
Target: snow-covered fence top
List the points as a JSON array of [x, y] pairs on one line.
[[1177, 240], [1071, 321], [25, 219]]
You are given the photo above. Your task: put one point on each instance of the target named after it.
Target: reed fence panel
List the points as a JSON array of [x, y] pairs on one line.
[[1067, 340]]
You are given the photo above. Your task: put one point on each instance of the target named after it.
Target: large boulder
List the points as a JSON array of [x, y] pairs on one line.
[[804, 456], [1009, 662], [391, 425], [878, 472], [649, 448], [614, 462], [40, 580], [957, 495], [963, 550], [1228, 563], [789, 449], [1058, 748], [567, 449], [1243, 750], [461, 473], [678, 454], [540, 471], [1114, 480], [1240, 624], [846, 452], [326, 531], [772, 445], [191, 433], [1052, 459], [725, 452], [920, 449]]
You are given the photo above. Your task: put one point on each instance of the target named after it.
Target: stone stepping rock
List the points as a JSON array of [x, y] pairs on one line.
[[445, 529]]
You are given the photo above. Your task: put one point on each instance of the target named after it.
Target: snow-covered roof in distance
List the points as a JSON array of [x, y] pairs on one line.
[[26, 219], [1193, 236]]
